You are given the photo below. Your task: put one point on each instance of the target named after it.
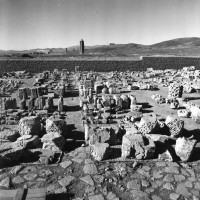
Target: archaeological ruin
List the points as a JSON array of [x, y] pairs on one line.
[[101, 129]]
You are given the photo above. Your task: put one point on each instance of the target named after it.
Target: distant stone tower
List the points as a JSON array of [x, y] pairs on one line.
[[82, 47]]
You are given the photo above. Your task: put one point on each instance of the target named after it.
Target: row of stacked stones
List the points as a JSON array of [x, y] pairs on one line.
[[33, 92], [120, 102], [53, 138], [191, 109], [30, 129], [8, 103], [139, 141], [37, 101]]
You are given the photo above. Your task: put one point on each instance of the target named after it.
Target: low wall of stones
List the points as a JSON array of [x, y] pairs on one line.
[[170, 62], [85, 65], [36, 66]]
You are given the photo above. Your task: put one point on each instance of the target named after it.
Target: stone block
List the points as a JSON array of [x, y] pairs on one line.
[[166, 156], [125, 101], [34, 94], [135, 107], [22, 104], [50, 136], [100, 151], [53, 140], [28, 141], [22, 93], [175, 126], [41, 102], [54, 125], [137, 146], [195, 114], [149, 124], [183, 113], [31, 104], [10, 103], [102, 136], [132, 130], [39, 91], [29, 126], [184, 148], [175, 91]]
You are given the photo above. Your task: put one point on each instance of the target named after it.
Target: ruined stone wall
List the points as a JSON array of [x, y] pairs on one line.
[[36, 66], [170, 62]]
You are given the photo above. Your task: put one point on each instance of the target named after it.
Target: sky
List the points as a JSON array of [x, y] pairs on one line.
[[28, 24]]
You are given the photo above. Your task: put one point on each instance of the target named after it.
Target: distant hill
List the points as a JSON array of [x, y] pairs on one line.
[[191, 41], [189, 46]]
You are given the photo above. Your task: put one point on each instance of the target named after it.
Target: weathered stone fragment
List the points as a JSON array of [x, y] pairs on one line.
[[149, 124], [102, 136], [183, 113], [28, 141], [166, 156], [175, 91], [137, 146], [10, 103], [22, 104], [5, 183], [133, 102], [125, 101], [31, 104], [22, 93], [40, 103], [49, 104], [54, 125], [34, 94], [60, 104], [195, 114], [29, 126], [100, 151], [184, 148], [39, 91], [10, 135], [175, 126], [53, 140]]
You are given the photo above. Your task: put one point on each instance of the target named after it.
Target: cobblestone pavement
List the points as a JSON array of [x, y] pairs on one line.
[[79, 177]]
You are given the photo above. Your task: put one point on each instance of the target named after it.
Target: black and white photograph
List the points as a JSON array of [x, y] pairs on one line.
[[99, 99]]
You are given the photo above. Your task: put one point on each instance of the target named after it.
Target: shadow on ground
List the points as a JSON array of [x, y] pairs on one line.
[[62, 196], [145, 105], [193, 98], [72, 108]]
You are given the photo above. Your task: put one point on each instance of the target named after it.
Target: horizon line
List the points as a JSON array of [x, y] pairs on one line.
[[100, 44]]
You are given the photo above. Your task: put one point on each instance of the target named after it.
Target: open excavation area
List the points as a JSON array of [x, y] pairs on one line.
[[86, 135]]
